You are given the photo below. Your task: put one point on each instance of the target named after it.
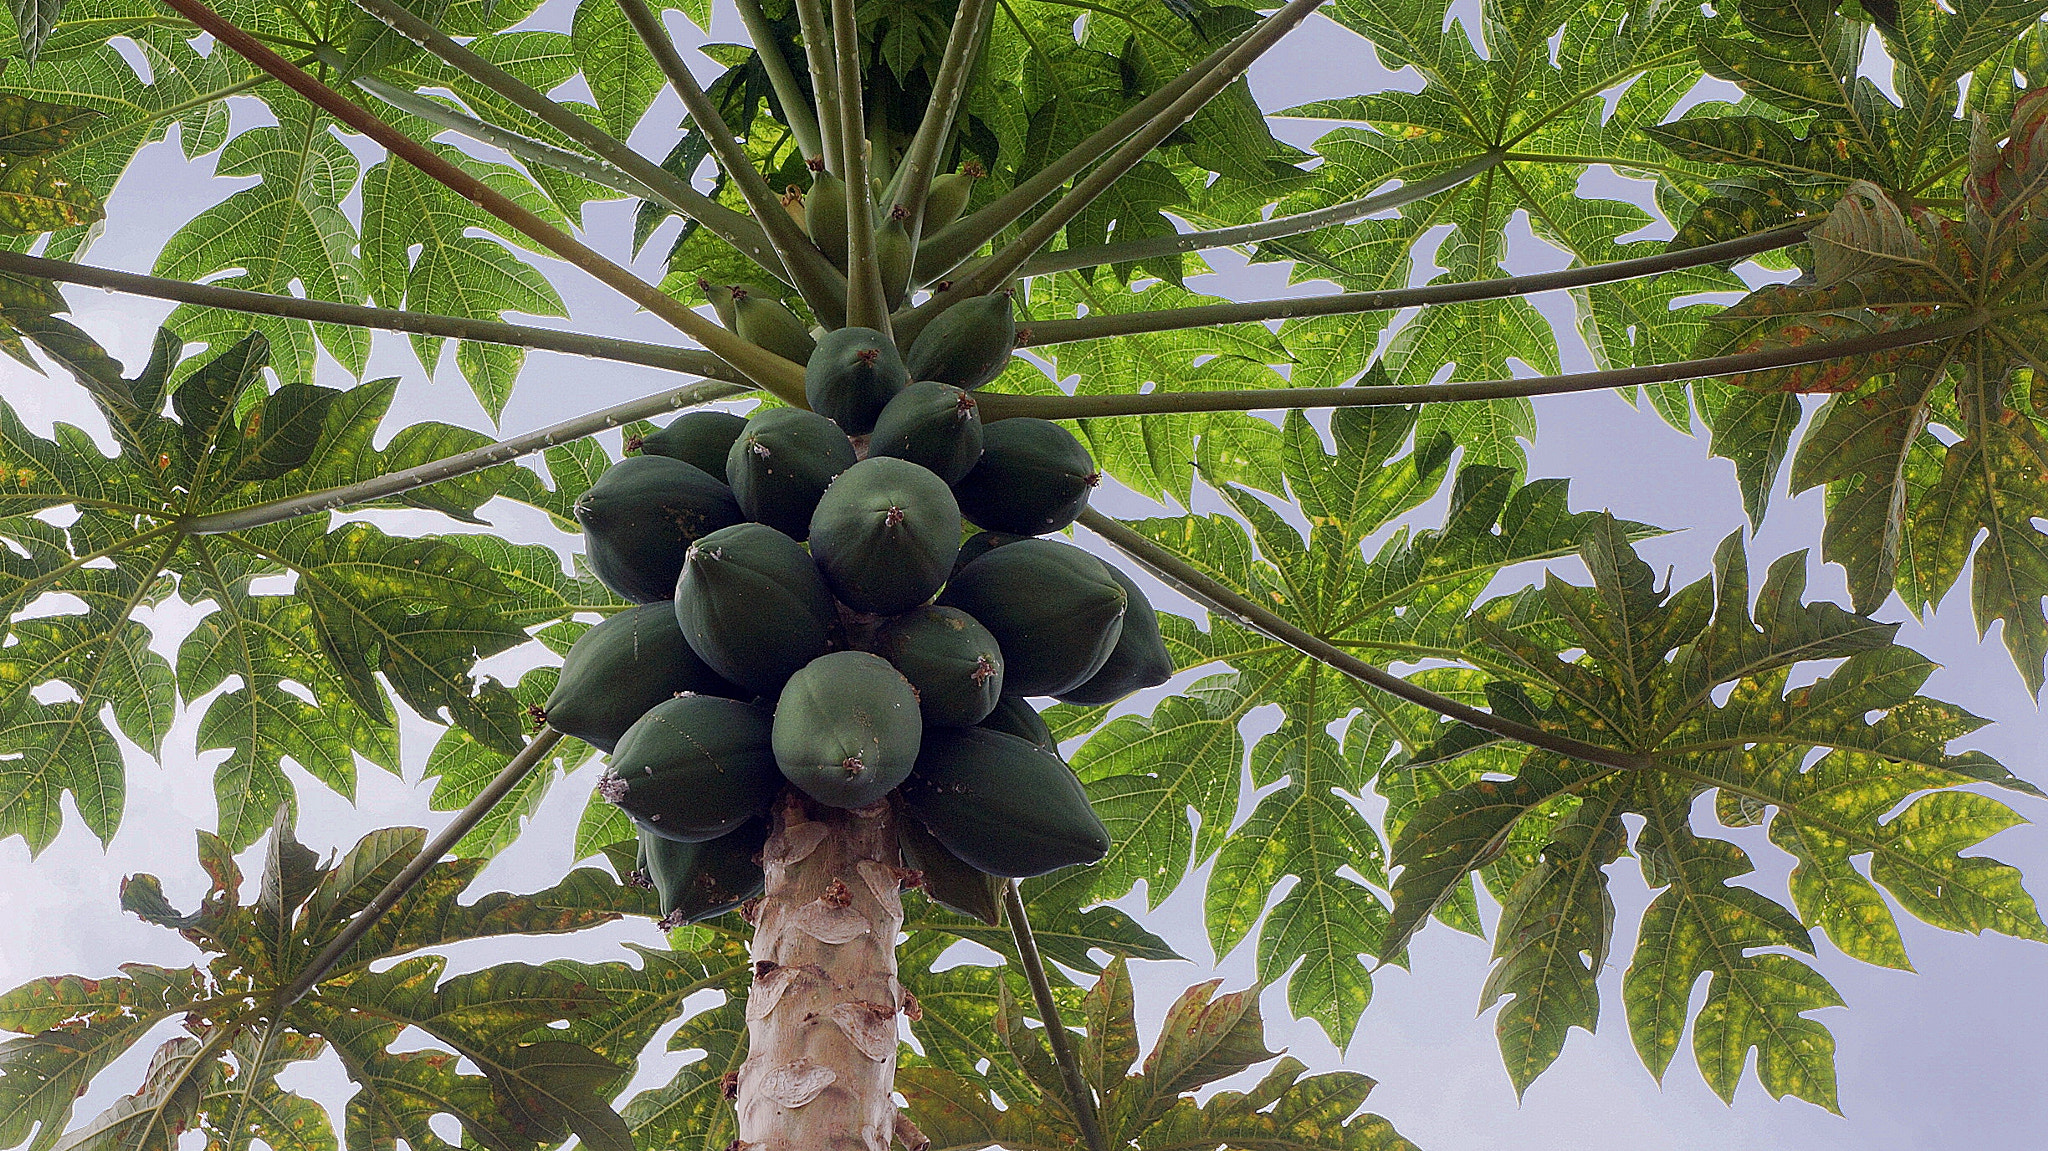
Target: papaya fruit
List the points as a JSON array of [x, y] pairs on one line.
[[769, 325], [793, 204], [825, 216], [847, 729], [1055, 611], [640, 518], [782, 463], [980, 544], [698, 881], [1001, 805], [700, 439], [723, 295], [947, 197], [753, 608], [1033, 477], [617, 671], [953, 662], [967, 345], [894, 253], [946, 879], [694, 767], [1138, 661], [1013, 716], [852, 376], [934, 425], [885, 534]]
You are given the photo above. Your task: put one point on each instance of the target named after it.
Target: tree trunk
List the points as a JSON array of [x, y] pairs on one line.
[[821, 1019]]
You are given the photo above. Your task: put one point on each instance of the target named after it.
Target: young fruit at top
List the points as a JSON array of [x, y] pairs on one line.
[[953, 662], [618, 670], [723, 295], [847, 729], [1001, 805], [967, 345], [1034, 477], [852, 376], [782, 463], [885, 534], [1054, 609], [1013, 716], [768, 325], [1138, 661], [700, 439], [699, 881], [694, 767], [947, 880], [894, 254], [934, 425], [948, 196], [825, 214], [641, 516], [793, 204], [752, 606]]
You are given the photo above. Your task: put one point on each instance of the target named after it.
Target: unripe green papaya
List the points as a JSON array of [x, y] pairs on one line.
[[825, 216], [885, 534], [1138, 661], [694, 767], [948, 197], [847, 729], [980, 544], [894, 254], [723, 295], [752, 606], [1055, 610], [699, 881], [967, 345], [1013, 716], [947, 880], [782, 463], [618, 670], [768, 325], [1033, 477], [935, 425], [641, 516], [700, 439], [852, 376], [953, 662], [1001, 805]]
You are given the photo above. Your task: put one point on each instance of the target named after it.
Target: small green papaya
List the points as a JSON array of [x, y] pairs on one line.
[[1001, 805], [980, 544], [825, 216], [694, 767], [1013, 716], [948, 196], [699, 881], [852, 376], [641, 516], [935, 425], [946, 879], [769, 325], [752, 606], [1054, 609], [847, 729], [885, 534], [1138, 661], [700, 439], [618, 670], [782, 463], [894, 254], [967, 345], [1033, 478], [723, 295], [953, 662]]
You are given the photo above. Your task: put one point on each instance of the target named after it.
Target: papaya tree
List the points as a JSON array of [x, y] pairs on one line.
[[932, 261]]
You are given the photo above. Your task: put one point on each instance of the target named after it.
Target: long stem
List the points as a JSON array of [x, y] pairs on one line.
[[1079, 1098], [915, 176], [819, 282], [1347, 303], [1197, 586], [999, 406], [466, 819], [802, 124], [463, 463], [866, 307], [943, 250], [692, 360], [818, 49], [676, 193], [1279, 227], [764, 367]]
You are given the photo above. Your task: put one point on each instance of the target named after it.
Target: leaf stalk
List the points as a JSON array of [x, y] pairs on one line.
[[865, 305], [1079, 1098], [802, 123]]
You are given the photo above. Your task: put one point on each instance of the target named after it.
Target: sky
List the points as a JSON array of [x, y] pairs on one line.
[[1954, 1056]]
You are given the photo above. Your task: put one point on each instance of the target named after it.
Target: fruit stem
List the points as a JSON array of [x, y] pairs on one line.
[[866, 305], [1080, 1099], [803, 124]]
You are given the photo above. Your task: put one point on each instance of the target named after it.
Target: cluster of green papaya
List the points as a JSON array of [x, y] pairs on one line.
[[814, 613]]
